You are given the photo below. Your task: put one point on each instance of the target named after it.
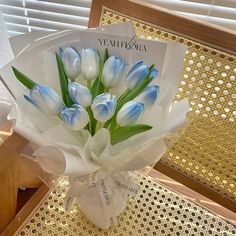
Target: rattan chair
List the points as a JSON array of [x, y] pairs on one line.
[[204, 157]]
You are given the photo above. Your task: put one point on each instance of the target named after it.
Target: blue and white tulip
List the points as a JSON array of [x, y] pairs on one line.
[[112, 71], [80, 94], [136, 74], [75, 117], [45, 99], [149, 95], [130, 113], [89, 63], [104, 106], [71, 61]]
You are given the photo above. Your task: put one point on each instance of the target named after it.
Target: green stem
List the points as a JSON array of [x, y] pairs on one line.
[[89, 83], [92, 121], [123, 95], [99, 125]]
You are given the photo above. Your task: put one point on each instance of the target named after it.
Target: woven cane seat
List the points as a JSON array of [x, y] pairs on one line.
[[206, 153]]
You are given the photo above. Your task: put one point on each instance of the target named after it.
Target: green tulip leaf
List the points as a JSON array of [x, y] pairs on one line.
[[97, 83], [95, 86], [98, 87], [122, 133], [106, 55], [27, 82], [63, 82], [134, 93]]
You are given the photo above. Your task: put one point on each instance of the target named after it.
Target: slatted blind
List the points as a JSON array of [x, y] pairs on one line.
[[220, 12], [22, 16]]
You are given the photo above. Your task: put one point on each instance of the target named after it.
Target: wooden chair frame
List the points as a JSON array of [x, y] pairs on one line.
[[205, 33], [198, 31]]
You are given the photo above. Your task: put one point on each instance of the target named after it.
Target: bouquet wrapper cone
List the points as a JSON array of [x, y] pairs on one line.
[[101, 176]]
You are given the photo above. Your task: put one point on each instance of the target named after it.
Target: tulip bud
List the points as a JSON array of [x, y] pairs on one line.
[[45, 99], [149, 95], [136, 74], [71, 61], [80, 94], [130, 113], [89, 63], [75, 117], [112, 71], [104, 106]]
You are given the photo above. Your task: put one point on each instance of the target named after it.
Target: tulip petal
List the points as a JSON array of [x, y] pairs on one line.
[[112, 71], [89, 64], [135, 66], [45, 99], [75, 118], [154, 73], [130, 113], [136, 74], [80, 94], [149, 95], [71, 61], [101, 112], [27, 98], [104, 106]]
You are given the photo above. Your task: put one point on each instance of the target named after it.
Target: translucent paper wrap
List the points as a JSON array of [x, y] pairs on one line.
[[101, 175]]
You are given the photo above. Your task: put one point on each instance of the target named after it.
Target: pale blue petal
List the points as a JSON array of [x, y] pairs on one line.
[[60, 52], [135, 66], [154, 73], [136, 76], [104, 106], [130, 113], [27, 98]]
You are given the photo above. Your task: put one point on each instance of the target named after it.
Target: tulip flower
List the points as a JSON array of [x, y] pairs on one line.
[[89, 63], [130, 113], [80, 94], [45, 99], [71, 61], [104, 106], [112, 71], [149, 95], [75, 117], [136, 74]]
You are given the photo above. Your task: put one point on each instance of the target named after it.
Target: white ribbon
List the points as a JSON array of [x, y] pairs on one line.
[[102, 196]]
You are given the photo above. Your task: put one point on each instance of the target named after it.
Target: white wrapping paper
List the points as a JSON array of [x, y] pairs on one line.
[[6, 53], [101, 175]]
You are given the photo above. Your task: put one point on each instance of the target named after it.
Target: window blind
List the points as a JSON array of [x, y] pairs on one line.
[[22, 16], [220, 12]]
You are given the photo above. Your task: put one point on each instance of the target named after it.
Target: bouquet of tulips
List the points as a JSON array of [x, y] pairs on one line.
[[93, 107], [109, 117]]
